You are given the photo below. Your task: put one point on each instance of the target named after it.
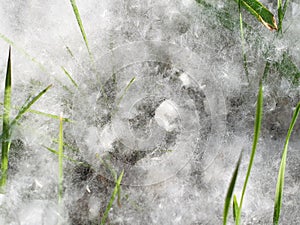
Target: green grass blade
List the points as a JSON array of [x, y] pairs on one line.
[[67, 157], [79, 21], [108, 166], [118, 101], [49, 115], [125, 90], [281, 10], [52, 116], [28, 104], [115, 192], [64, 156], [258, 117], [66, 145], [230, 190], [258, 10], [6, 132], [243, 43], [235, 206], [114, 174], [70, 77], [60, 161], [21, 50], [280, 179], [70, 52]]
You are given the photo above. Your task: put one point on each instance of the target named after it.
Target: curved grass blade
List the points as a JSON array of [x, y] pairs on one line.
[[258, 10], [230, 190], [79, 21], [280, 179], [112, 198], [6, 132], [258, 117]]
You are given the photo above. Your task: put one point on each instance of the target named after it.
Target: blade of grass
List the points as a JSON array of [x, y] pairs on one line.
[[235, 207], [49, 115], [60, 161], [280, 179], [113, 172], [125, 90], [118, 101], [258, 117], [66, 145], [67, 157], [116, 190], [70, 52], [28, 104], [258, 10], [42, 113], [27, 55], [281, 13], [230, 190], [243, 43], [70, 77], [79, 21], [108, 166], [31, 58], [6, 140]]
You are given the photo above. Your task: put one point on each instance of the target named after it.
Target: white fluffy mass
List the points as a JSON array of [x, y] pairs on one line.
[[162, 95]]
